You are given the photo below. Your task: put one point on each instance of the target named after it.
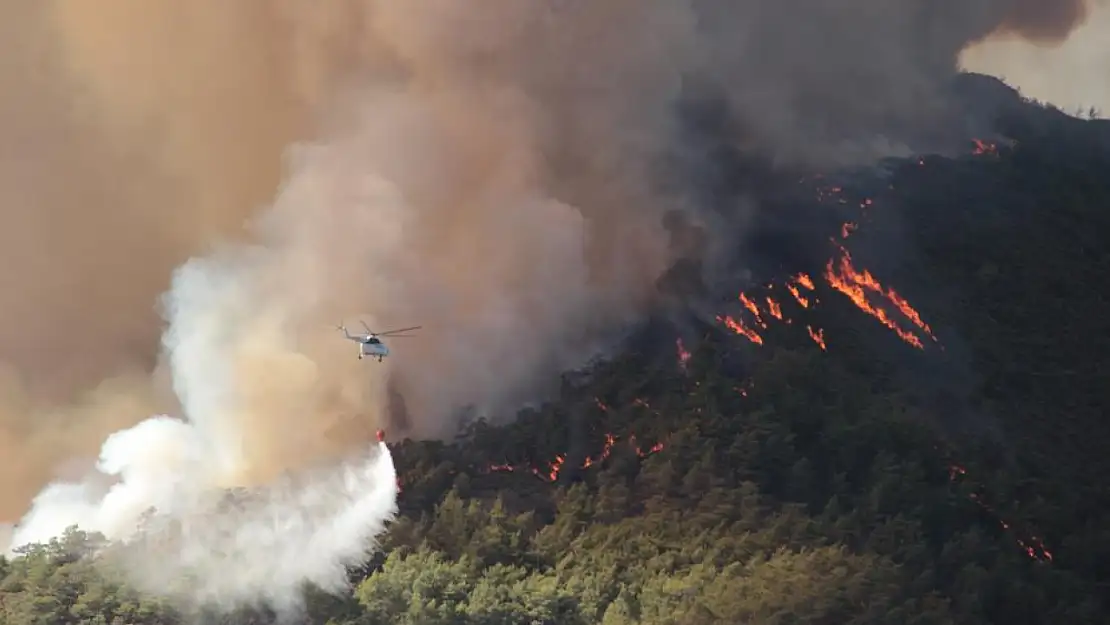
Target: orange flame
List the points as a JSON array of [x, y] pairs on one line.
[[642, 452], [798, 297], [750, 305], [553, 470], [610, 440], [864, 278], [818, 336], [853, 283], [551, 473], [1033, 547], [773, 306], [907, 310], [741, 329], [845, 278]]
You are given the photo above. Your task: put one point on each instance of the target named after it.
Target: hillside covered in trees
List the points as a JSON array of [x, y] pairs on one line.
[[903, 426]]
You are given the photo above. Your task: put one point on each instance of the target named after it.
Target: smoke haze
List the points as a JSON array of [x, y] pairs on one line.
[[1074, 75], [486, 170]]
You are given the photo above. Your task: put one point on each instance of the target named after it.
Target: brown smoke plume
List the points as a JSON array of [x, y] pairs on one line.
[[1044, 22], [502, 135], [133, 133]]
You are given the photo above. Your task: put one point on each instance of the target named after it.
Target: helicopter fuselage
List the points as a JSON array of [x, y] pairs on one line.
[[370, 344], [373, 349]]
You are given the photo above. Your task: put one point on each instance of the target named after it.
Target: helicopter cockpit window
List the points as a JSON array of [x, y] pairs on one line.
[[374, 341]]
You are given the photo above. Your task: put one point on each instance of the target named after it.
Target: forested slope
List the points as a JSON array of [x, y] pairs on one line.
[[792, 461]]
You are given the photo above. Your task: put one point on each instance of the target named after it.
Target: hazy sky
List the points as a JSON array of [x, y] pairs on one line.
[[1074, 74]]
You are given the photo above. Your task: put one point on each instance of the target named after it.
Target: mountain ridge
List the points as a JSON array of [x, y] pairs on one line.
[[701, 475]]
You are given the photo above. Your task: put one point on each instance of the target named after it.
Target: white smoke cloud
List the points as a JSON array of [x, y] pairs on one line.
[[261, 545], [275, 404], [261, 382]]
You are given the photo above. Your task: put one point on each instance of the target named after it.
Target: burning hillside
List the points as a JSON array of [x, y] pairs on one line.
[[841, 275], [793, 302]]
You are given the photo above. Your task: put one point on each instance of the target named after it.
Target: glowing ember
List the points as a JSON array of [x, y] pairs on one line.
[[773, 306], [818, 336], [1033, 547], [683, 354], [640, 451], [553, 468], [610, 440], [752, 308], [551, 472], [828, 193], [984, 147]]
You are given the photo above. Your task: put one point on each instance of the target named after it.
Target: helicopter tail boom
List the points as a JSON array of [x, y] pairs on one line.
[[342, 328]]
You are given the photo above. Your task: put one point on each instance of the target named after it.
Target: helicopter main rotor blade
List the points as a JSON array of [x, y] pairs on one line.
[[398, 331], [368, 331]]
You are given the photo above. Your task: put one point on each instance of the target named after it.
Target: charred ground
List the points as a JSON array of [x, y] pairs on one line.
[[784, 441]]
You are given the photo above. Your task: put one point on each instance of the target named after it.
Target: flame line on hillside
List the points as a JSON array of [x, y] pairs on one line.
[[854, 283], [550, 473], [1031, 546], [842, 275]]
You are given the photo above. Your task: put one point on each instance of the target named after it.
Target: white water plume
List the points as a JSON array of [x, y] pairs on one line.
[[254, 491]]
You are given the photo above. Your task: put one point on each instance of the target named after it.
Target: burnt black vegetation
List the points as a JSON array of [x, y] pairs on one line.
[[869, 482]]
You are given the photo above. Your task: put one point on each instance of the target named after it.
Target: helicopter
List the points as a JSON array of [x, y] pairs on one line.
[[370, 344]]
